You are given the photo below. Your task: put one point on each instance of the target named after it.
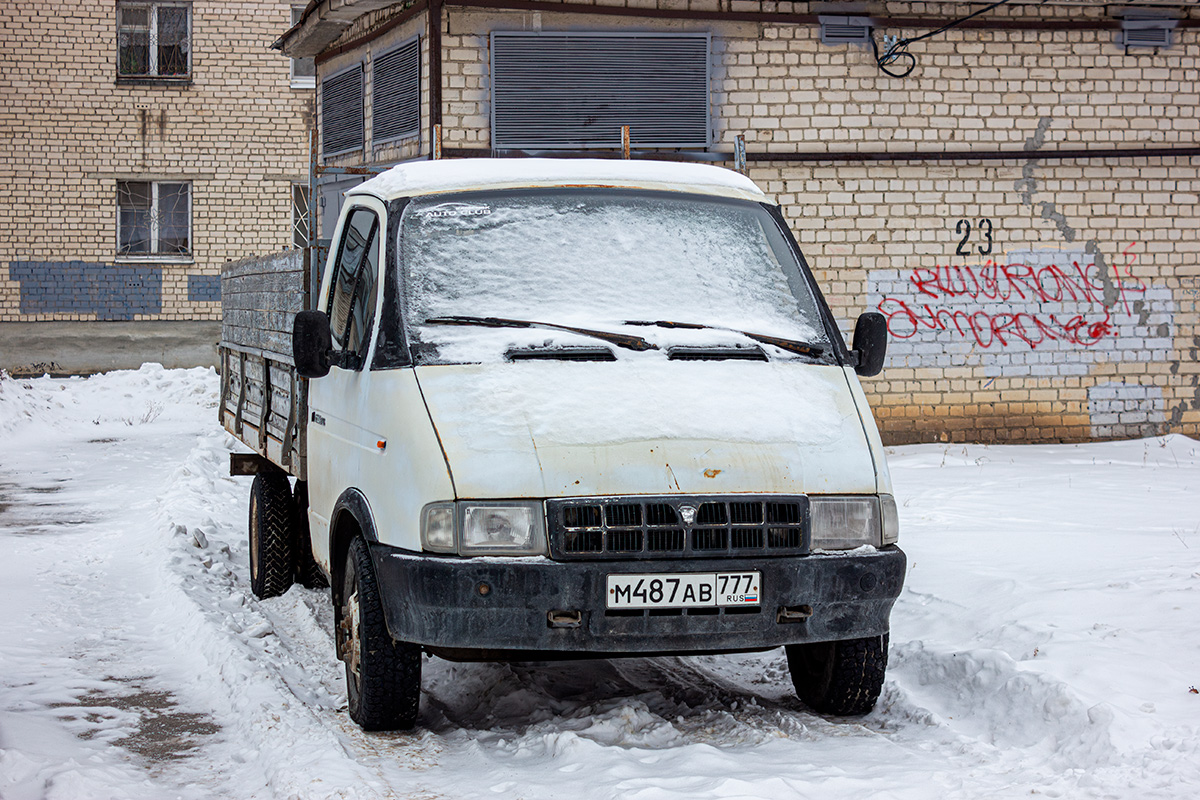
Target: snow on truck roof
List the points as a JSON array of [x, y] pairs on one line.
[[477, 174]]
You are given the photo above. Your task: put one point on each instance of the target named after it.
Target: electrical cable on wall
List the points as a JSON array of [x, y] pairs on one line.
[[896, 49]]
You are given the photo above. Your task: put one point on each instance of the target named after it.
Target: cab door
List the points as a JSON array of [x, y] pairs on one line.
[[342, 435]]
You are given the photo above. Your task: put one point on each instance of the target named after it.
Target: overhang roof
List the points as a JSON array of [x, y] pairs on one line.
[[322, 22]]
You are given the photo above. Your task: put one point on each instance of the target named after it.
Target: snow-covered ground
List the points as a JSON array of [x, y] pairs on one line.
[[1045, 643]]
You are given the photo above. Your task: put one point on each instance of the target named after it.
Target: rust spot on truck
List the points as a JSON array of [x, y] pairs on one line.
[[711, 473]]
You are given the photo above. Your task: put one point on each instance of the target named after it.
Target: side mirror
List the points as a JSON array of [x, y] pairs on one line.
[[870, 343], [311, 344]]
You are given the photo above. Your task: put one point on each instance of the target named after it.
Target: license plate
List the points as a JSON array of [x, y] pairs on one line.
[[684, 590]]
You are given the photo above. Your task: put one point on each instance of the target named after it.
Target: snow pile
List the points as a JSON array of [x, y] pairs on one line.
[[465, 174], [1045, 642], [727, 401], [23, 400]]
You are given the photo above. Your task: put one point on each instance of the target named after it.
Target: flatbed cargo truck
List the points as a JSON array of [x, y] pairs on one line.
[[550, 409]]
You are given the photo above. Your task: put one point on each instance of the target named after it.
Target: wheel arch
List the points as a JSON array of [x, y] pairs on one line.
[[351, 517]]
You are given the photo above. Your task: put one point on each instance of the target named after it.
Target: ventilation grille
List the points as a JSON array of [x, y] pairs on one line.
[[845, 30], [1146, 32], [396, 93], [659, 527], [342, 112], [576, 90]]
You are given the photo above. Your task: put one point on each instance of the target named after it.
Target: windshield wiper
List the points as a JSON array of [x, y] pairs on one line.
[[619, 339], [791, 345]]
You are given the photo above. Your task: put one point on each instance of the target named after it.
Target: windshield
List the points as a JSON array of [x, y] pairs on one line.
[[596, 259]]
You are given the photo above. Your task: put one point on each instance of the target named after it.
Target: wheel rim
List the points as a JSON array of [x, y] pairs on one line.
[[353, 641], [350, 640]]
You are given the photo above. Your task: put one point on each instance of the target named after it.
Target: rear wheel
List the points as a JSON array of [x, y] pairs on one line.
[[842, 678], [383, 676], [272, 545], [308, 573]]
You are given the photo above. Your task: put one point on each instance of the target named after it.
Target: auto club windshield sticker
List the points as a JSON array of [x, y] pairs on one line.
[[454, 210]]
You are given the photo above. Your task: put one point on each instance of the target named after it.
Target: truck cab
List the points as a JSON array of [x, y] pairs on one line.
[[583, 408]]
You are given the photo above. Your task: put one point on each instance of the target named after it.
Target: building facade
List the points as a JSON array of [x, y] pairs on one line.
[[144, 144], [1023, 205]]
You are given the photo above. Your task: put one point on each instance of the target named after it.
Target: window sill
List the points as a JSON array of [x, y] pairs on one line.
[[130, 260], [153, 81], [304, 83]]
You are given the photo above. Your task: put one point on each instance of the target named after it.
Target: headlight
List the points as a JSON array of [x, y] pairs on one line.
[[843, 523], [484, 528]]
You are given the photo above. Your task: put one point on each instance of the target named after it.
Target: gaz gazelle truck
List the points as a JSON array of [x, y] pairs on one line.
[[545, 409]]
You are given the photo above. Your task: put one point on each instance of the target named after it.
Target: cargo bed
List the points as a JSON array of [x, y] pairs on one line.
[[263, 402]]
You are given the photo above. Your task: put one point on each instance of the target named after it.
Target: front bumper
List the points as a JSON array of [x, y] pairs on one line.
[[436, 601]]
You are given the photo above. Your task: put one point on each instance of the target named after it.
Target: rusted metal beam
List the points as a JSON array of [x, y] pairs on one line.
[[250, 464], [435, 73], [843, 157], [779, 18], [1058, 154], [351, 170]]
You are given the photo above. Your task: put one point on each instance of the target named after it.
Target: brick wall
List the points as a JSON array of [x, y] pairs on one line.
[[1069, 309], [237, 132]]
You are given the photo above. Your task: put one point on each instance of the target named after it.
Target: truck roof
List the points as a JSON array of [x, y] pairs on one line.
[[476, 174]]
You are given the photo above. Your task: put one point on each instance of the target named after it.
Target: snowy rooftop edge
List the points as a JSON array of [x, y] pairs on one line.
[[472, 174]]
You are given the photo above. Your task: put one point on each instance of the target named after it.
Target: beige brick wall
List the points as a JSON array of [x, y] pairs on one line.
[[1071, 312], [238, 132], [1072, 318]]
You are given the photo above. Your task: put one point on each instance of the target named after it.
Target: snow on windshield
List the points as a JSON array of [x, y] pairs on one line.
[[595, 258]]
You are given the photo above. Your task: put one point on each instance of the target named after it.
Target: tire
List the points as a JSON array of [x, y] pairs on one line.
[[842, 678], [383, 676], [272, 535], [308, 572]]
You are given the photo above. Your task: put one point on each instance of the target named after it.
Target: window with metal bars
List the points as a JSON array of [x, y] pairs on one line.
[[154, 219], [154, 40], [576, 90], [342, 112], [300, 214], [396, 92]]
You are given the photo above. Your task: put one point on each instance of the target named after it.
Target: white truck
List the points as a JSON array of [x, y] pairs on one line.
[[550, 409]]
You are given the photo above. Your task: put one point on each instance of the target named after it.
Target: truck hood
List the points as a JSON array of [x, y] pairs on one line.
[[563, 429]]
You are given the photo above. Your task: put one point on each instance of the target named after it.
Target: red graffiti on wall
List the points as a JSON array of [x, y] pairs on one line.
[[1035, 289]]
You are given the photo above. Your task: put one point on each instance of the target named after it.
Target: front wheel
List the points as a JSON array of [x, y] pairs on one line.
[[383, 676], [842, 678]]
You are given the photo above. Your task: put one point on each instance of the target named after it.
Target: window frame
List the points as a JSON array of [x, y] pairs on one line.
[[154, 256], [300, 81], [151, 75], [376, 240]]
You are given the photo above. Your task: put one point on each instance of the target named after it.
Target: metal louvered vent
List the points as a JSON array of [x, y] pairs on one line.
[[576, 90], [845, 30], [396, 93], [1146, 32], [342, 112]]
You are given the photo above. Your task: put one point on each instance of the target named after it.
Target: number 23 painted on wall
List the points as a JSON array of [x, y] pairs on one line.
[[964, 228]]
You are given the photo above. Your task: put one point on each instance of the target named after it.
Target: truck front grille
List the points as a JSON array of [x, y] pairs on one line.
[[658, 527]]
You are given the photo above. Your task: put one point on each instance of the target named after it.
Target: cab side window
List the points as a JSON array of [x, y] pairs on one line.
[[355, 282]]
